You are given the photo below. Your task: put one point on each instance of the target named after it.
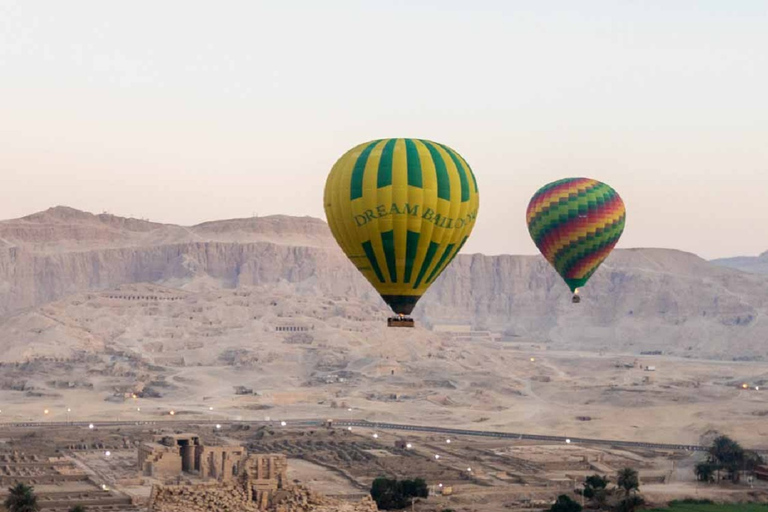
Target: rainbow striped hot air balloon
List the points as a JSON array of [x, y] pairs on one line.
[[401, 210], [575, 223]]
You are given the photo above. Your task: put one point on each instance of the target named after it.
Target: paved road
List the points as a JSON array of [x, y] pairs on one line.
[[314, 423], [512, 435]]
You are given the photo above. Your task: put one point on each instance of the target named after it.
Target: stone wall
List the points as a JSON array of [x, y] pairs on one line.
[[231, 497], [159, 461], [264, 476], [221, 463], [260, 484], [201, 497], [167, 459]]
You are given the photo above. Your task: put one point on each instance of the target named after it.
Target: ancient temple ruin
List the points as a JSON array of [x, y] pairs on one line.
[[222, 478], [173, 456]]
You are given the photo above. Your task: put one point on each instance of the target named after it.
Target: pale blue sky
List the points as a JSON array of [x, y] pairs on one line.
[[185, 111]]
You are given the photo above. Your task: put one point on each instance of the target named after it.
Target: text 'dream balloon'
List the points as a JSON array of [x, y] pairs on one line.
[[401, 210]]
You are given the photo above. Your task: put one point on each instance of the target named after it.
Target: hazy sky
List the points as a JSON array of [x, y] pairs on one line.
[[185, 111]]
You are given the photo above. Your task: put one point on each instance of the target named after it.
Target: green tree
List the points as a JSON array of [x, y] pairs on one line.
[[629, 503], [594, 484], [565, 504], [393, 494], [727, 454], [21, 498], [416, 488], [384, 493], [628, 480], [751, 460], [77, 508], [704, 471]]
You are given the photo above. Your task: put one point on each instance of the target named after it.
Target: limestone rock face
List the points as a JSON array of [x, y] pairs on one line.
[[751, 264], [645, 299]]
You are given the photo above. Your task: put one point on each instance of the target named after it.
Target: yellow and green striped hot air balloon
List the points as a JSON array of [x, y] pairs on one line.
[[575, 223], [401, 210]]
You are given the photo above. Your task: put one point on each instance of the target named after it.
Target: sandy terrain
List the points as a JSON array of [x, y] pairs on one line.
[[421, 378], [483, 474], [270, 307], [321, 479]]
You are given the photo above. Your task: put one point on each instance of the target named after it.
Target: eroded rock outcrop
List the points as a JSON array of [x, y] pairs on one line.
[[640, 298]]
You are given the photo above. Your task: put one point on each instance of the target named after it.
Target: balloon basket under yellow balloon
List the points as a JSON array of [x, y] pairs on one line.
[[400, 321], [576, 299]]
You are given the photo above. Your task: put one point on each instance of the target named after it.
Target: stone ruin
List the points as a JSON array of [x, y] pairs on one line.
[[231, 497], [228, 479], [59, 483], [174, 455]]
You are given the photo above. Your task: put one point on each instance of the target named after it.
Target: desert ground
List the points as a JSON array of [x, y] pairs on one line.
[[470, 475], [188, 356], [107, 319]]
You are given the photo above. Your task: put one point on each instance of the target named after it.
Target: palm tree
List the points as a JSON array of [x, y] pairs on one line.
[[628, 480], [21, 498], [729, 454], [704, 471]]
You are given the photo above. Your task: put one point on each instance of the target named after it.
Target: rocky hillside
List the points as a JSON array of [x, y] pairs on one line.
[[641, 299], [752, 264]]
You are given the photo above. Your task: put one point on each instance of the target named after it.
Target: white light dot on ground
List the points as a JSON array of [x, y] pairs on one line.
[[282, 423], [437, 457], [349, 428], [375, 436], [107, 453], [409, 446], [218, 426], [568, 441], [90, 426], [448, 441]]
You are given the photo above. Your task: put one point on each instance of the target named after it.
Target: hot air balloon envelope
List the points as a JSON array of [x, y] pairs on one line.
[[575, 223], [401, 210]]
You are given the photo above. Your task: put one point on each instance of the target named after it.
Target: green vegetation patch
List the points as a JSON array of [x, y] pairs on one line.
[[705, 506]]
